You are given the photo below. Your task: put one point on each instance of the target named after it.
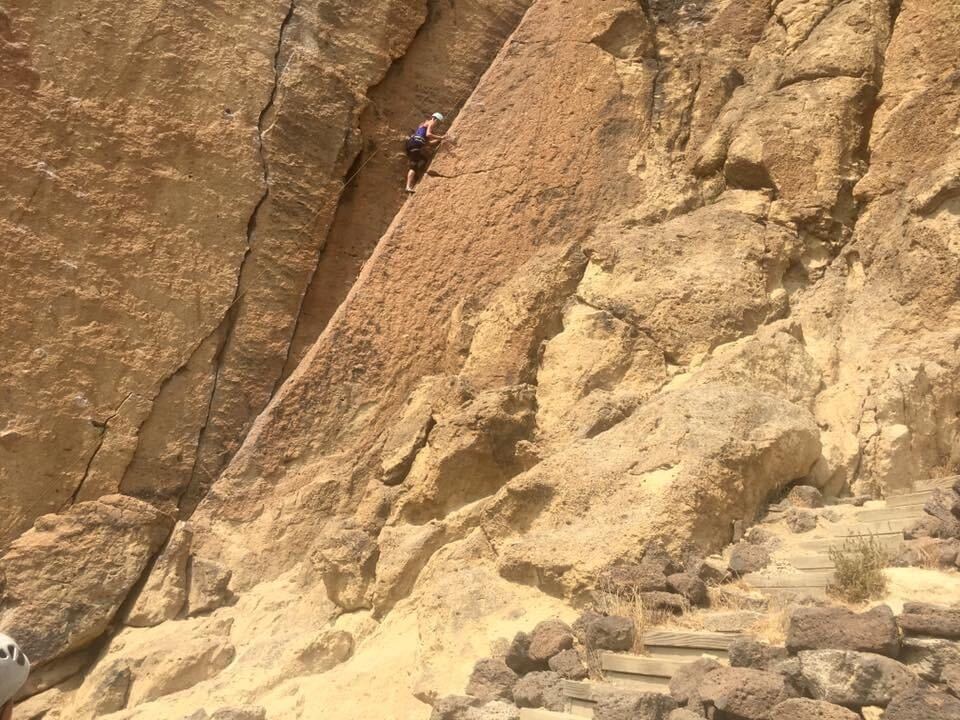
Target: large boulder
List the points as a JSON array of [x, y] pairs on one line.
[[749, 653], [689, 586], [539, 689], [518, 655], [824, 628], [664, 602], [491, 679], [805, 496], [745, 693], [930, 657], [923, 704], [610, 633], [625, 705], [685, 683], [806, 709], [57, 599], [549, 638], [751, 442], [747, 557], [854, 679], [927, 619], [568, 665], [628, 578], [453, 707], [800, 521], [940, 506]]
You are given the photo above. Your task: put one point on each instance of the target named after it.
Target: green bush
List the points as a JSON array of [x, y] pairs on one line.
[[858, 574]]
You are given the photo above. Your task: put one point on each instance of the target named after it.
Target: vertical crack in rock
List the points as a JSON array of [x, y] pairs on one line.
[[103, 426], [446, 33], [227, 324], [355, 168], [862, 153]]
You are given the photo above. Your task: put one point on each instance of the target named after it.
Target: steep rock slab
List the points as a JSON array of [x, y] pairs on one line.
[[490, 206], [329, 53], [65, 579], [121, 256], [158, 211], [439, 70]]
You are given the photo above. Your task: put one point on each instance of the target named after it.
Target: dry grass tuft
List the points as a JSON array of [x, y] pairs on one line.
[[859, 564], [772, 627], [736, 595], [629, 604]]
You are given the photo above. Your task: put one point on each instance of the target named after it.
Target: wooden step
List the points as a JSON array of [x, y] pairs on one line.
[[541, 714], [908, 512], [914, 499], [579, 690], [792, 594], [579, 697], [798, 580], [811, 561], [640, 665], [873, 527], [684, 654], [940, 483], [891, 542], [638, 683], [698, 640]]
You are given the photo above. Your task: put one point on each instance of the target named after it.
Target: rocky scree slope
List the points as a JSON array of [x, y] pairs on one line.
[[682, 255]]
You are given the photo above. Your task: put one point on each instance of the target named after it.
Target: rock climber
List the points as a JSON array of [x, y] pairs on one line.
[[14, 668], [418, 143]]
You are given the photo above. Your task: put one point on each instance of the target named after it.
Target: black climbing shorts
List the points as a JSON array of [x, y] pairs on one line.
[[418, 160]]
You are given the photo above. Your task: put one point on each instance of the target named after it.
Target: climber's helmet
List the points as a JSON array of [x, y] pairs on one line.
[[437, 116], [14, 668]]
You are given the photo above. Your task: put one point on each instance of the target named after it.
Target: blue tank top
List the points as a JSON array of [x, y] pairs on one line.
[[421, 132]]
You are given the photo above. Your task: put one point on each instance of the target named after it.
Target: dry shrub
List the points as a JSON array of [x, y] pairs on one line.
[[858, 574], [736, 595], [772, 627]]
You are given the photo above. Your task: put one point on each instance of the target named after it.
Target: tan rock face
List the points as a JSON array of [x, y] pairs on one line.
[[679, 256], [65, 579], [164, 594], [183, 193]]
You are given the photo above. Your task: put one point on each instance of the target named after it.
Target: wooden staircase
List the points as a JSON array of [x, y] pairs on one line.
[[807, 568], [667, 651]]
